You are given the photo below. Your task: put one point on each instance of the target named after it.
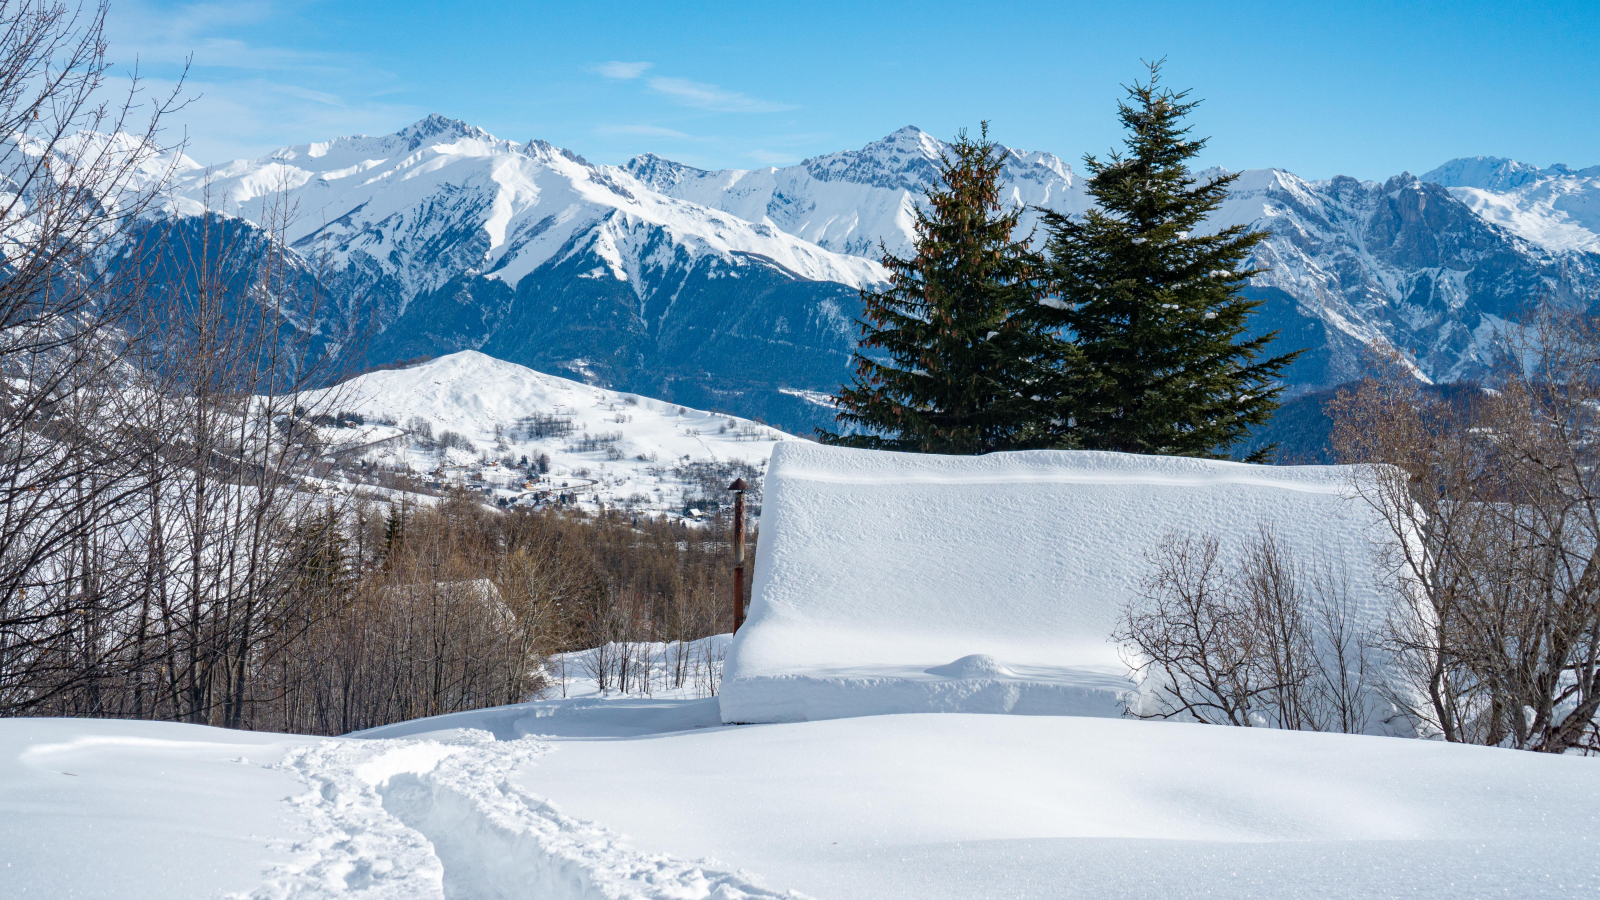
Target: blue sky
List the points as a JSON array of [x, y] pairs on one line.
[[1364, 89]]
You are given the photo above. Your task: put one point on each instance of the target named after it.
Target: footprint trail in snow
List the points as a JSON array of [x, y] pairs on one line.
[[401, 819]]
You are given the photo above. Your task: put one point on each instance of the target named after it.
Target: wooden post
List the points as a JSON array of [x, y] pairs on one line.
[[738, 488]]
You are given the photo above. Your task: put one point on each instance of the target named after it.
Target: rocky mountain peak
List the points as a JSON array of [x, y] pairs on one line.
[[659, 172], [544, 150], [908, 159], [1493, 173], [436, 127], [1399, 182], [904, 160]]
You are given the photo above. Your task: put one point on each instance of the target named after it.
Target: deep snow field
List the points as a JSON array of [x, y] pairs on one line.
[[618, 802], [641, 790]]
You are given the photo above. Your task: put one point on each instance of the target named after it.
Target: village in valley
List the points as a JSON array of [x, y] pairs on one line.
[[520, 438]]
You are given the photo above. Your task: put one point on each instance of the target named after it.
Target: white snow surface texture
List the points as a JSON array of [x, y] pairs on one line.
[[169, 811], [931, 807], [900, 582], [980, 807]]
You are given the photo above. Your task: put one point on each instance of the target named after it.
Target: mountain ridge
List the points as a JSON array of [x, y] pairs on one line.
[[1556, 207], [737, 289]]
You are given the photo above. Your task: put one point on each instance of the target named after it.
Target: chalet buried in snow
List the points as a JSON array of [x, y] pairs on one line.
[[900, 583]]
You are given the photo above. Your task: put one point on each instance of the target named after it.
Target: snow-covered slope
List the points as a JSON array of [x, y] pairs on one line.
[[605, 447], [1556, 208], [162, 810], [855, 201], [955, 807], [905, 582], [886, 807], [120, 161], [135, 810], [441, 198]]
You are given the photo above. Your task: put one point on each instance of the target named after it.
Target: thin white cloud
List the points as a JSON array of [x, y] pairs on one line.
[[711, 97], [183, 33], [622, 70], [294, 90], [250, 118], [248, 97], [646, 130]]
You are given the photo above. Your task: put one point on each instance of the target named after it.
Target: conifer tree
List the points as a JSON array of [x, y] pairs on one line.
[[957, 368], [320, 555], [1156, 308], [394, 531]]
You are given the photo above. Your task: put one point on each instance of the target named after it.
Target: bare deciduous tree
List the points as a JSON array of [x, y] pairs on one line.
[[229, 381], [76, 172], [1247, 636], [1493, 497]]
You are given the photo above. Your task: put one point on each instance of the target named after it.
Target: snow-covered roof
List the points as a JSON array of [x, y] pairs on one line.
[[892, 582]]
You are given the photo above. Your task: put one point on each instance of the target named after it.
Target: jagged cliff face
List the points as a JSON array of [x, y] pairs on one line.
[[1350, 262], [738, 289]]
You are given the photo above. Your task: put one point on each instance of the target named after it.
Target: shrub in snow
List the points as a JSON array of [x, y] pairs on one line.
[[1265, 639]]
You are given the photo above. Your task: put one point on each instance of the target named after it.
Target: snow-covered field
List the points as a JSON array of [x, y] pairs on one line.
[[141, 810], [602, 447], [627, 784], [924, 806], [972, 806]]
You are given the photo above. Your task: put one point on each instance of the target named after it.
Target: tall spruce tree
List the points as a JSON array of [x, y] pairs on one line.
[[958, 369], [1156, 310]]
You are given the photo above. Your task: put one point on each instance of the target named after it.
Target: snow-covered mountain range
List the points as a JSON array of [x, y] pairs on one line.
[[856, 200], [737, 289], [1404, 260], [441, 198], [1557, 208], [442, 238]]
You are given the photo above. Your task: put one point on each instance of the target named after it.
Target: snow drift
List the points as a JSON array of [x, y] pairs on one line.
[[961, 807], [892, 583], [883, 807]]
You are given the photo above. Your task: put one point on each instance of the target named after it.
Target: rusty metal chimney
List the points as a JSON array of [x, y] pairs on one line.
[[738, 487]]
